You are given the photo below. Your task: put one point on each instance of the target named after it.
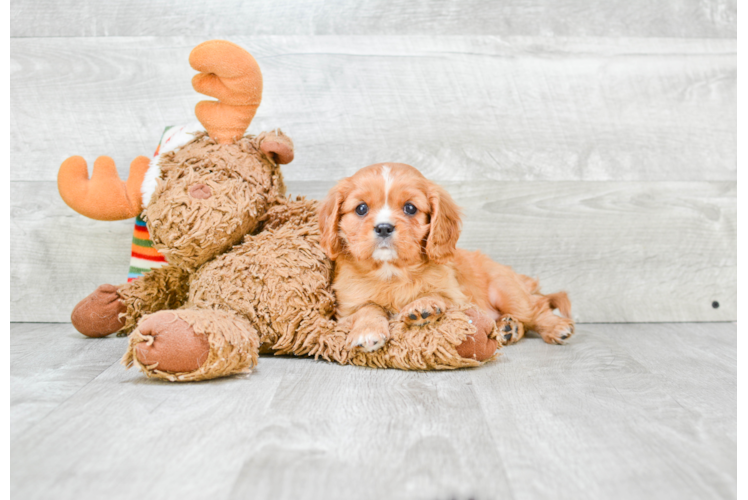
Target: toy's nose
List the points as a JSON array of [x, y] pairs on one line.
[[384, 230], [200, 191]]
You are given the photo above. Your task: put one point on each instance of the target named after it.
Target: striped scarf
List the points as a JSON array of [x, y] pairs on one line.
[[143, 256]]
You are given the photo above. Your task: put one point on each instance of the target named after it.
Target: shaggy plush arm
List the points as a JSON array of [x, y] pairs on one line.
[[162, 288]]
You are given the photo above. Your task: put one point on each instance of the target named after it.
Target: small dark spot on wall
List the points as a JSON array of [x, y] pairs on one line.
[[715, 304]]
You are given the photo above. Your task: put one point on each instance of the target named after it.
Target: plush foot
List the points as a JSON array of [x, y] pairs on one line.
[[559, 333], [174, 348], [510, 330], [423, 311], [98, 314], [478, 346]]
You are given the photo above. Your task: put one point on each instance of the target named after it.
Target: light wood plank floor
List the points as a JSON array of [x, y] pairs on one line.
[[623, 411]]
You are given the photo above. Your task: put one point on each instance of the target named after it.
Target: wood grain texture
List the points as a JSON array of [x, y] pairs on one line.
[[625, 251], [623, 411], [742, 392], [635, 18], [742, 236], [58, 256], [621, 434], [50, 366], [458, 108]]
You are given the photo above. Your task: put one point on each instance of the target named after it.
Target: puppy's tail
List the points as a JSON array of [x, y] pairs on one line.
[[560, 301]]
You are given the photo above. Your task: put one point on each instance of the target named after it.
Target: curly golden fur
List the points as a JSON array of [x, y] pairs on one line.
[[393, 236]]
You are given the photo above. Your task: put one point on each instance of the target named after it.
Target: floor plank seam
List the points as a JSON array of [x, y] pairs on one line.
[[58, 405]]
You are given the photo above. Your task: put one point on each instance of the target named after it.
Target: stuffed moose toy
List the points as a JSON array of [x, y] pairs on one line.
[[245, 273]]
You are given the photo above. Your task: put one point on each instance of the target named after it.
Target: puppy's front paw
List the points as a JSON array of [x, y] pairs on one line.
[[510, 330], [369, 335], [423, 311], [369, 341]]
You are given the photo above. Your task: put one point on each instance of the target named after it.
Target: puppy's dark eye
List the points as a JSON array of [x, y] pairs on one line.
[[410, 209], [362, 209]]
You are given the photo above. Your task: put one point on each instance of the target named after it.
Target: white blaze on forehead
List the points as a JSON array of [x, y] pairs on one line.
[[384, 216], [387, 181]]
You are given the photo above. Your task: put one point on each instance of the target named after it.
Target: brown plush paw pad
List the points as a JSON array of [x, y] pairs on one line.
[[176, 348], [98, 314], [478, 346]]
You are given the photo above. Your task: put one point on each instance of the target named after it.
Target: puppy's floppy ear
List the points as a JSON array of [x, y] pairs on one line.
[[329, 218], [445, 225]]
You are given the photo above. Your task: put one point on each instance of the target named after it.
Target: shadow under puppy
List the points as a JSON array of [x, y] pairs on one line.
[[392, 235]]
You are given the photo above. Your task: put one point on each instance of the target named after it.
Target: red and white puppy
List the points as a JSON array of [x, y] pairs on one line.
[[392, 235]]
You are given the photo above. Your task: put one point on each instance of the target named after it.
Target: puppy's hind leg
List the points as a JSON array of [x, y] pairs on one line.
[[510, 295], [560, 301], [555, 329]]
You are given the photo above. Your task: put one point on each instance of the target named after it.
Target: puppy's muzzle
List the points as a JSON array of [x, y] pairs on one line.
[[384, 230]]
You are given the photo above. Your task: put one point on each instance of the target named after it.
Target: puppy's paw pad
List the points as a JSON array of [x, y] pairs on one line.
[[369, 342], [510, 330], [422, 312], [560, 335]]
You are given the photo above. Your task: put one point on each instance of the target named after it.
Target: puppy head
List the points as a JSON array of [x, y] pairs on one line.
[[389, 212]]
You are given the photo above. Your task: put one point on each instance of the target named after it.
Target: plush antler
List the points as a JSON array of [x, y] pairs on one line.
[[104, 196], [228, 73], [231, 75]]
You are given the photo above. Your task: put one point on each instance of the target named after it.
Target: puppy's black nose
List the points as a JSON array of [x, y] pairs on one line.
[[384, 230]]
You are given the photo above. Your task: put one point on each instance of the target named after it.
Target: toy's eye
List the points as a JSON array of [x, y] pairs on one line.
[[362, 209], [410, 209]]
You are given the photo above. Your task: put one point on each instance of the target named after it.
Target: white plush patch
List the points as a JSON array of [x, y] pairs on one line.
[[149, 181], [174, 138], [384, 254]]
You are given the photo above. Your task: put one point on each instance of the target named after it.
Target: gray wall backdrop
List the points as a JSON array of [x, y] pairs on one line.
[[591, 144]]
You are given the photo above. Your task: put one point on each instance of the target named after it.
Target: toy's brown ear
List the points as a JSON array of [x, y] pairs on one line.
[[445, 225], [278, 146], [329, 220], [230, 74]]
